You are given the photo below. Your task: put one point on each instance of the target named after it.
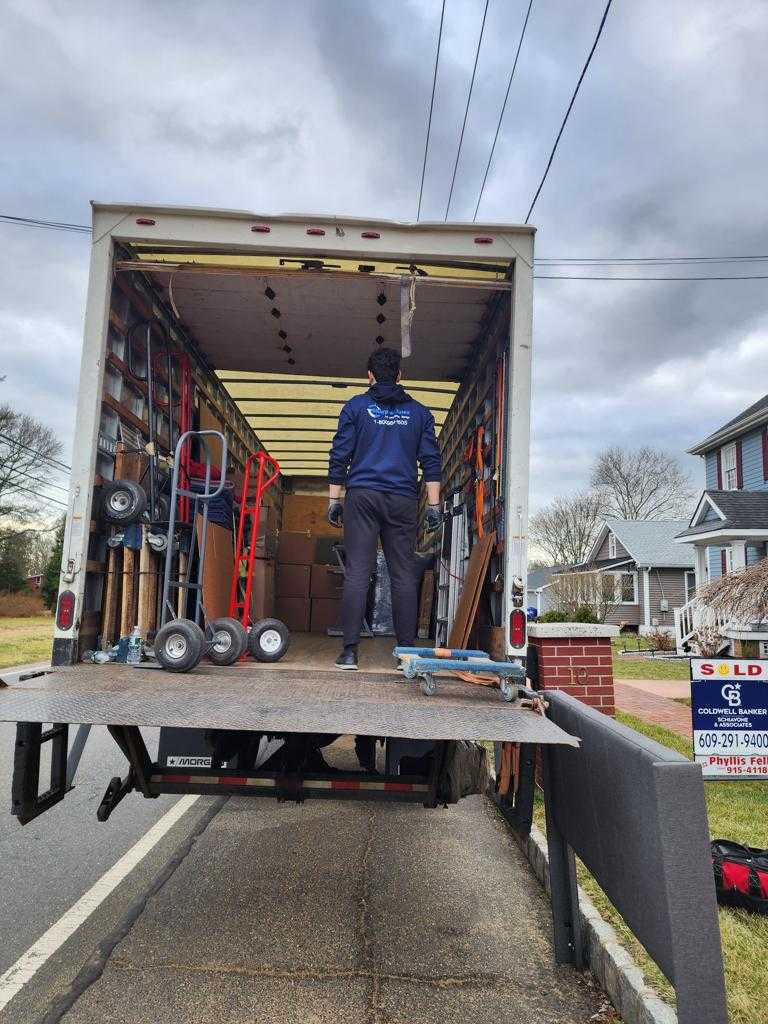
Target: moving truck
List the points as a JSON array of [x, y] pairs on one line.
[[259, 327]]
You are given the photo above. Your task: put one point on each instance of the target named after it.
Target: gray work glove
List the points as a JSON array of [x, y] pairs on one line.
[[335, 512], [432, 519]]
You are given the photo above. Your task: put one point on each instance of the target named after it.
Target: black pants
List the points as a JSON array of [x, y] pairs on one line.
[[368, 516]]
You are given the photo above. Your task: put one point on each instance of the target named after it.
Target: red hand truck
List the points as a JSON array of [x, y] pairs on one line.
[[268, 639]]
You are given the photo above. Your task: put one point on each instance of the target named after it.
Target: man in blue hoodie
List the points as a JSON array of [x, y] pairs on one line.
[[381, 437]]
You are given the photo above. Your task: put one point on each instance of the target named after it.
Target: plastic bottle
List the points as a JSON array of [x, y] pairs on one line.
[[135, 647]]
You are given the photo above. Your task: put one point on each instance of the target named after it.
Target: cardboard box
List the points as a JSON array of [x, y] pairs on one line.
[[295, 548], [324, 553], [293, 580], [263, 592], [217, 571], [326, 613], [294, 612], [325, 583], [266, 545], [308, 512], [493, 640]]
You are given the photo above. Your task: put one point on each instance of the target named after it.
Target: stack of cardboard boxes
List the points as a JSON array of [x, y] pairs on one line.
[[308, 583]]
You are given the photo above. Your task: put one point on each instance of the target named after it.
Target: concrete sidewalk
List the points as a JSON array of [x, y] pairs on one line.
[[354, 912]]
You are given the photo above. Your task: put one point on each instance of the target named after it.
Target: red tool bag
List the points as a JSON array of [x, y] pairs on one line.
[[741, 876]]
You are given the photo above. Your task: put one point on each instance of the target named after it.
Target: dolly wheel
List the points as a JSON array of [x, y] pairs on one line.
[[269, 640], [123, 501], [179, 645], [228, 640], [428, 684]]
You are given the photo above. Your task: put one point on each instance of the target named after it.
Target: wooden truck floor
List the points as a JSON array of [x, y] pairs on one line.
[[302, 693]]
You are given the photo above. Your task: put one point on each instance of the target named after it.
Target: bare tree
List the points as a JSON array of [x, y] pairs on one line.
[[740, 596], [566, 527], [642, 484], [28, 451]]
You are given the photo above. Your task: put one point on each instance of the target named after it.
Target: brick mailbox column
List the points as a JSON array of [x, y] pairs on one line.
[[576, 658]]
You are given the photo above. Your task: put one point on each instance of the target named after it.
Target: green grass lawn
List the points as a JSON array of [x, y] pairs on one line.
[[737, 811], [627, 667], [25, 640]]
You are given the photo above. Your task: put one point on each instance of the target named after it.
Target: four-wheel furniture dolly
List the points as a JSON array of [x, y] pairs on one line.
[[472, 666]]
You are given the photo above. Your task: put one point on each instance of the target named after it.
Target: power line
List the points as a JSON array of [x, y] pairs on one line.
[[466, 109], [503, 108], [431, 107], [586, 277], [588, 262], [56, 225], [24, 474], [568, 111], [36, 451], [43, 498]]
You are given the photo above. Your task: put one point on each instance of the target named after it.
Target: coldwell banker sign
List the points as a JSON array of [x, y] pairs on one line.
[[729, 703]]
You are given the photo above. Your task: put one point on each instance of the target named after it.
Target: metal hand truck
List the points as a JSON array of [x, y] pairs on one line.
[[268, 639], [181, 642]]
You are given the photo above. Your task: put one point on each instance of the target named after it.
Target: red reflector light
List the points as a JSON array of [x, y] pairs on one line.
[[517, 628], [145, 220], [370, 234], [483, 240], [315, 231], [65, 610], [263, 229]]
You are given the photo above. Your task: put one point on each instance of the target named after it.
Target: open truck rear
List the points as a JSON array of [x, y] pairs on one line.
[[273, 319]]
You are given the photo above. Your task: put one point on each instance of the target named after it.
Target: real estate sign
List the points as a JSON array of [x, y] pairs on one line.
[[729, 705]]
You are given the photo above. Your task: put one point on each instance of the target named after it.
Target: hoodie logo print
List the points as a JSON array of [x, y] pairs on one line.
[[394, 416]]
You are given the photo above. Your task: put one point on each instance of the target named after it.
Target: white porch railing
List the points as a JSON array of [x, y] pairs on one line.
[[692, 617]]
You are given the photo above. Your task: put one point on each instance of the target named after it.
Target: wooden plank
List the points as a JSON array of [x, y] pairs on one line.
[[147, 588], [426, 598], [128, 602], [470, 594], [111, 593]]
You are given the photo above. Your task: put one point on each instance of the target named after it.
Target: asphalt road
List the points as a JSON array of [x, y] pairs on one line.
[[265, 912]]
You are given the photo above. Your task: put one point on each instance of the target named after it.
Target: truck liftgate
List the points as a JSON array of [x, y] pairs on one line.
[[237, 707]]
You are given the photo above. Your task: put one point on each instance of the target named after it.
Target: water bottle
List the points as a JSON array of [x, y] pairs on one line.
[[135, 647]]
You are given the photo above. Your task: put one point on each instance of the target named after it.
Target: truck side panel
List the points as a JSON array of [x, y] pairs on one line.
[[87, 419]]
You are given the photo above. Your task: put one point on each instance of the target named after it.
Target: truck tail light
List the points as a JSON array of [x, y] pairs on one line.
[[483, 240], [262, 229], [517, 628], [315, 231], [370, 234], [145, 220], [65, 610]]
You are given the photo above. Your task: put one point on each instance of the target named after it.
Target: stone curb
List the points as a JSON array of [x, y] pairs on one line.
[[611, 964]]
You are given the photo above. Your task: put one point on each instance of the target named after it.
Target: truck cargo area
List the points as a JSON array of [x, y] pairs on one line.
[[260, 329]]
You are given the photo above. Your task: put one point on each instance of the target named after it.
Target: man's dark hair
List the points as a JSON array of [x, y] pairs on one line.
[[384, 364]]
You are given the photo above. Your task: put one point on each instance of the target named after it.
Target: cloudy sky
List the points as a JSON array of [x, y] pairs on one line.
[[320, 106]]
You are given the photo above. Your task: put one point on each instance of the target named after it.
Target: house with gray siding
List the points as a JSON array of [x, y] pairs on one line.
[[651, 574], [729, 527]]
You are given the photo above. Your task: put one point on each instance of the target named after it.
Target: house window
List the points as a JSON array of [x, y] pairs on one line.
[[730, 473], [728, 559], [611, 545], [690, 586], [624, 587]]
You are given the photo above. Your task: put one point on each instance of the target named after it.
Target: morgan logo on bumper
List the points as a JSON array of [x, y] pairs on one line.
[[179, 761]]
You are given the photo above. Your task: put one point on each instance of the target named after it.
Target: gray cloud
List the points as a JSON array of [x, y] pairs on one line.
[[321, 105]]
